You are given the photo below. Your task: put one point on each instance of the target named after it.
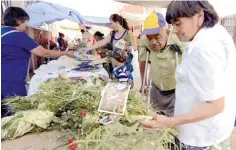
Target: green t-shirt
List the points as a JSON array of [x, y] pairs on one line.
[[163, 62]]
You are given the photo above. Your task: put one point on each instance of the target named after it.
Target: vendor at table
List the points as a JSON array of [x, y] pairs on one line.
[[120, 32], [102, 51], [160, 42], [205, 105], [61, 41], [17, 48]]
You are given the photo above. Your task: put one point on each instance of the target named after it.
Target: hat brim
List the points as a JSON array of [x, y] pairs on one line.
[[151, 31]]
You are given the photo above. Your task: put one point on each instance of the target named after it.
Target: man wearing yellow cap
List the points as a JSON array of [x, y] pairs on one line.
[[160, 41]]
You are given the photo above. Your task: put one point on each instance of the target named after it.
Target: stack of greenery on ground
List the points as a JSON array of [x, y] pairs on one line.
[[71, 106]]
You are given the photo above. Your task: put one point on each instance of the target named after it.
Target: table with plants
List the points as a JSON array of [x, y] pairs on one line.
[[65, 111]]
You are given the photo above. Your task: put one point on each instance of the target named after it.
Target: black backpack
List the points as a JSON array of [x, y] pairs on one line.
[[175, 48], [109, 46], [112, 36]]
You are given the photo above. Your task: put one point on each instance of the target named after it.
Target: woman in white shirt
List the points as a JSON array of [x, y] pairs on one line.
[[205, 107]]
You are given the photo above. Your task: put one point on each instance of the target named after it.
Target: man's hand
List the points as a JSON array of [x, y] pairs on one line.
[[146, 90]]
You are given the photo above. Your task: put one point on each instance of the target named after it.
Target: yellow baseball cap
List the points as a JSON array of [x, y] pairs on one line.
[[153, 23]]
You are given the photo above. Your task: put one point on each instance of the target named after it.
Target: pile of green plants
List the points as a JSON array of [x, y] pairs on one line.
[[72, 106]]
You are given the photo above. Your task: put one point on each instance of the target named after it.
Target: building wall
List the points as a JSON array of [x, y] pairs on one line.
[[235, 35], [229, 23], [20, 4], [23, 4], [4, 5]]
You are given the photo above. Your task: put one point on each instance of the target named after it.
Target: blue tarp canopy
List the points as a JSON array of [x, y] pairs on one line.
[[48, 13], [100, 21]]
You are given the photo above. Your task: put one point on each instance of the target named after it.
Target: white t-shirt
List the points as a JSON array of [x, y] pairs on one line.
[[207, 73]]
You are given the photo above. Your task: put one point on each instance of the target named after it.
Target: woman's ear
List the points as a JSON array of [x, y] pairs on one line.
[[19, 22], [168, 32], [117, 23], [200, 17]]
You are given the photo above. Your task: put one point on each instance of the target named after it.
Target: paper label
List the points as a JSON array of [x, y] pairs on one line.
[[120, 44]]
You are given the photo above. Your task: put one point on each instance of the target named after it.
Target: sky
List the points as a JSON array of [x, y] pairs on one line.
[[104, 8], [100, 8]]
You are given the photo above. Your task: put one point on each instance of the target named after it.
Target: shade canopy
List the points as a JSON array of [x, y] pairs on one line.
[[48, 13]]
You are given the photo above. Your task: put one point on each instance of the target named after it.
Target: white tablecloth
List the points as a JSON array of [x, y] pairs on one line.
[[47, 72]]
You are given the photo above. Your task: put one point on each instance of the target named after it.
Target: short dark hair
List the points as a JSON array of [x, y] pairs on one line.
[[122, 21], [177, 9], [61, 34], [14, 14], [118, 55], [99, 34], [82, 30]]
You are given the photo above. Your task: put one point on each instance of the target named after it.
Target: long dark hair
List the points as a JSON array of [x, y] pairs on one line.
[[122, 21], [178, 9]]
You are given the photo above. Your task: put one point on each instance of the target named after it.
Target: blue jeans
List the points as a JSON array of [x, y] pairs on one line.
[[128, 63], [130, 57]]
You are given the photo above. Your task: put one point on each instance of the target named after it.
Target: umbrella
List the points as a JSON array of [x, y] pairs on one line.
[[48, 13]]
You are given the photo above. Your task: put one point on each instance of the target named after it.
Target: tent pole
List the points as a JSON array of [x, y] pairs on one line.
[[48, 59], [48, 37]]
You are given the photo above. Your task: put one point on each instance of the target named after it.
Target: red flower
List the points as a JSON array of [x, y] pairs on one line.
[[80, 79], [71, 146], [121, 105], [70, 141], [83, 113]]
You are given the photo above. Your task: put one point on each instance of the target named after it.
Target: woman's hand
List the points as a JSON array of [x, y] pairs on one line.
[[83, 50], [159, 121], [69, 53]]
